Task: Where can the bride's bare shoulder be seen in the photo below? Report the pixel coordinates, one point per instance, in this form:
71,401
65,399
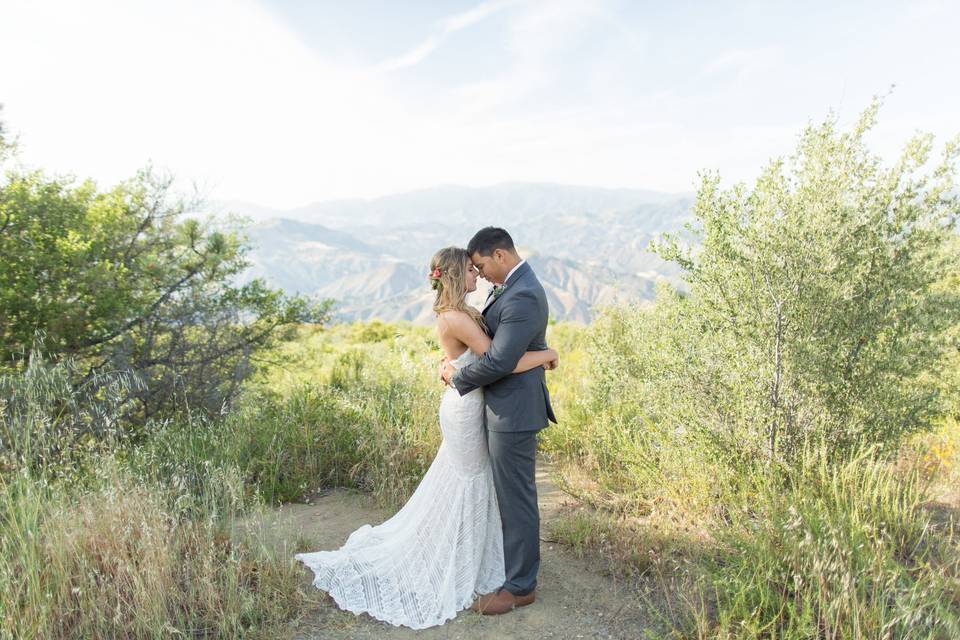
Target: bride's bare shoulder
452,317
454,323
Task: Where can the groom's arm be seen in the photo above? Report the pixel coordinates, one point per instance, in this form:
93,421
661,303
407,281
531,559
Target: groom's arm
519,324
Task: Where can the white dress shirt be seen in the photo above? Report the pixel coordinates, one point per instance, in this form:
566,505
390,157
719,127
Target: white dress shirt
512,270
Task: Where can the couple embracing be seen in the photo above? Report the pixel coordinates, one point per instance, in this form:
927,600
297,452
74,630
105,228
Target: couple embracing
469,535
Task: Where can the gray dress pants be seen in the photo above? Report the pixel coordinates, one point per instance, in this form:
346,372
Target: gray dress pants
513,458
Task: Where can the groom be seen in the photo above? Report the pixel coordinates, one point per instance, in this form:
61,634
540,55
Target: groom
517,407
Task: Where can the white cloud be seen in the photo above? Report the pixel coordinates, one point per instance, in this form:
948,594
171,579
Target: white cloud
414,56
745,62
216,90
223,93
449,25
475,15
539,32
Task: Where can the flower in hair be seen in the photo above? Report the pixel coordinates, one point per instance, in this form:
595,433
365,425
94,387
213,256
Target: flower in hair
435,279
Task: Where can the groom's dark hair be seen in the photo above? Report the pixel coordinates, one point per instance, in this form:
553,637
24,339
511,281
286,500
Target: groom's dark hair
487,239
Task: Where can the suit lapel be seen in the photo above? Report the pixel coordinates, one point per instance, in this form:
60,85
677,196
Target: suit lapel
511,281
519,273
489,302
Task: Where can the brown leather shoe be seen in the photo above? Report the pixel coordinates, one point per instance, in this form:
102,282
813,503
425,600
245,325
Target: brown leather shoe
523,601
496,603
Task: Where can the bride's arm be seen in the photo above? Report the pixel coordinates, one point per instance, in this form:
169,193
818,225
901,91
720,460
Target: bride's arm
548,359
463,328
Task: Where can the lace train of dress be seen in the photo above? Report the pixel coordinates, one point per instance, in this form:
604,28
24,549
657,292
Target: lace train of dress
441,549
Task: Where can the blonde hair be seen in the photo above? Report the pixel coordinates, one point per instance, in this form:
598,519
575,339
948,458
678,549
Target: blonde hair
451,284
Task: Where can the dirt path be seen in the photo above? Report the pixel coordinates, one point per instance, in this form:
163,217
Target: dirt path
574,599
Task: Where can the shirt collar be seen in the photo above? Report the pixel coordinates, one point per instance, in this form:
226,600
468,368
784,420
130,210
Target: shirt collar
507,279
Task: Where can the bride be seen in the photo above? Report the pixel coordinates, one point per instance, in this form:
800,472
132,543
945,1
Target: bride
445,545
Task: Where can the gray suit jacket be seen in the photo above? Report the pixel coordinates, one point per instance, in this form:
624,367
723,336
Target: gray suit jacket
517,323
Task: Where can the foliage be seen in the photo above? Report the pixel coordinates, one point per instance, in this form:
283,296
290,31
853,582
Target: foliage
118,560
766,410
743,432
49,424
814,308
124,280
91,545
836,551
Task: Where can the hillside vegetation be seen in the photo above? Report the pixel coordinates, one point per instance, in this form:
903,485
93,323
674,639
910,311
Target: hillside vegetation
774,449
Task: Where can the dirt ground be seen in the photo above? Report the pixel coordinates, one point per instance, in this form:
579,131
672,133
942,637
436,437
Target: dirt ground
576,598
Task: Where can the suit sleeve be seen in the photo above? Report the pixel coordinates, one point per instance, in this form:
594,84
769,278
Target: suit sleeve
519,324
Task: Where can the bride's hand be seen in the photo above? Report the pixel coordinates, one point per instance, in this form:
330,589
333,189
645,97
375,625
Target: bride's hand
443,363
554,361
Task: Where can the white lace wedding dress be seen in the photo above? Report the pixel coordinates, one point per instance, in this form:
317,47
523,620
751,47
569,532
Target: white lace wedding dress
444,546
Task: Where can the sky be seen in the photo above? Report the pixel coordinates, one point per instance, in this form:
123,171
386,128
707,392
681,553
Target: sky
284,103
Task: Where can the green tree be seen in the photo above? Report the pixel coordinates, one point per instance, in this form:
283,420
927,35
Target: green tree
815,294
123,280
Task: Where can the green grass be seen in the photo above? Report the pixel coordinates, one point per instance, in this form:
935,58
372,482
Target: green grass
727,546
142,536
836,551
819,546
98,540
126,558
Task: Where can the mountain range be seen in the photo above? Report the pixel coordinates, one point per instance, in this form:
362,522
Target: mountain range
587,245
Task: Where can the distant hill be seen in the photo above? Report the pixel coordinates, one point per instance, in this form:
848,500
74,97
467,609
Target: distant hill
587,245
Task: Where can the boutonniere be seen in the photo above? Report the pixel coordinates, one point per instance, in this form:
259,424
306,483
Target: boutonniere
498,289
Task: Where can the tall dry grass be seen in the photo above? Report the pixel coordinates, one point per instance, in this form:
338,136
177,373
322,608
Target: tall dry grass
91,546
